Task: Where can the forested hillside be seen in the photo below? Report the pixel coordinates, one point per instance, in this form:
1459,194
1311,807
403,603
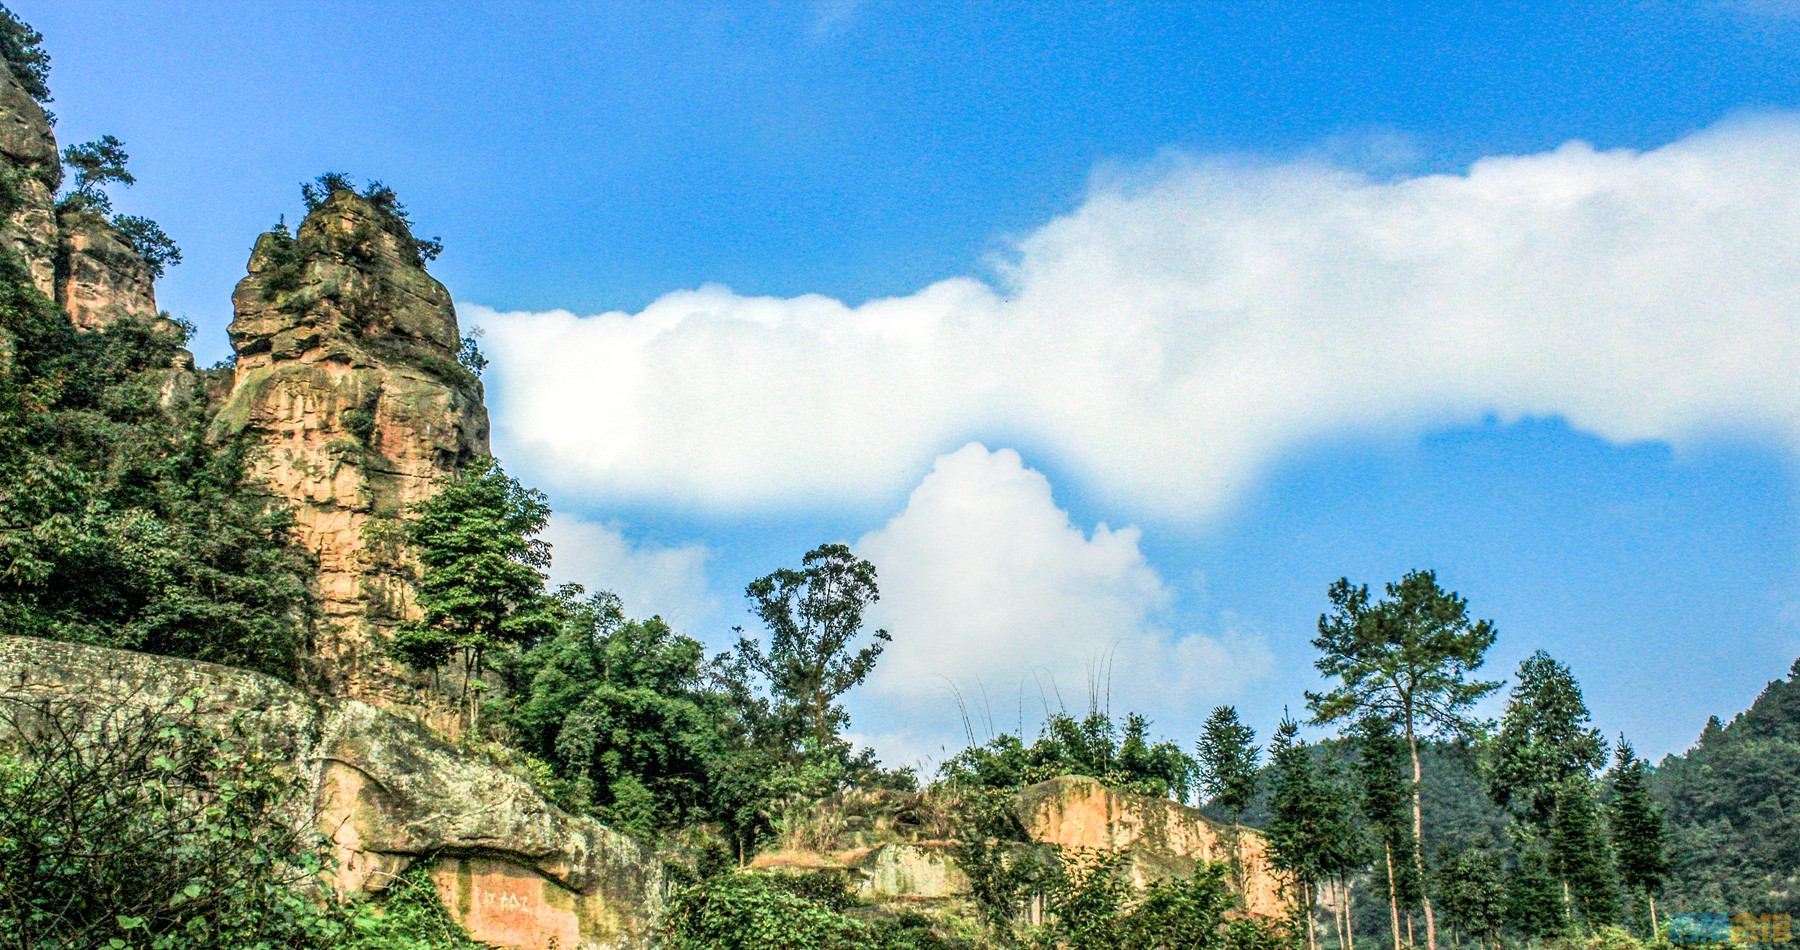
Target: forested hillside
1734,809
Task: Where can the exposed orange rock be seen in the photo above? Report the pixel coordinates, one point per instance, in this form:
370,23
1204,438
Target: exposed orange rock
100,279
1163,838
347,381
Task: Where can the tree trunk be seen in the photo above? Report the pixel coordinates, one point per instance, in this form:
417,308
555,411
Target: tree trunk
1387,848
1349,905
1655,928
1337,911
1312,942
1412,744
1409,933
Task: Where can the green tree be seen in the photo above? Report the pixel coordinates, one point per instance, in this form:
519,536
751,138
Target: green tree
814,615
1311,832
96,165
1471,887
1406,658
1580,855
1535,906
482,584
1545,738
22,48
1638,836
147,238
1384,805
1228,755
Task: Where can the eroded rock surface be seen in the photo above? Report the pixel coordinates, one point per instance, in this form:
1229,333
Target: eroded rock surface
1164,839
100,279
348,385
387,793
30,172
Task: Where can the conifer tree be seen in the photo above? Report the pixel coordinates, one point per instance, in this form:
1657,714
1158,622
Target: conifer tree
1407,658
1579,851
1545,738
1383,803
1638,836
1472,889
1228,773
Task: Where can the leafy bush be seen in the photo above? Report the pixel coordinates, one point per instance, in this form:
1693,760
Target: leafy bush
147,238
390,214
136,827
1092,746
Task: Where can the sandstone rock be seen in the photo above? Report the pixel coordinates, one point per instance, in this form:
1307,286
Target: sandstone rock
1163,838
387,792
348,383
100,279
30,171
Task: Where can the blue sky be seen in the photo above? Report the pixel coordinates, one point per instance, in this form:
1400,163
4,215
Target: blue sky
1396,319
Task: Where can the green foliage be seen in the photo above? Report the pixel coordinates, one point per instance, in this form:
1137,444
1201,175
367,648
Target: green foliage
750,912
1733,806
1227,757
134,827
96,164
1091,905
468,352
22,48
813,614
1384,800
1092,746
409,915
482,585
1471,890
1581,854
627,713
1534,898
390,214
1636,824
147,238
1545,739
1312,835
120,524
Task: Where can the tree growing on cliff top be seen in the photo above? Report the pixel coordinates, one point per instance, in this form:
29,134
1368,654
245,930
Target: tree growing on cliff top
1406,658
22,48
482,588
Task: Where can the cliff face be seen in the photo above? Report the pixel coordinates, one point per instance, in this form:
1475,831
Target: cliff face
386,793
348,385
29,174
100,278
75,258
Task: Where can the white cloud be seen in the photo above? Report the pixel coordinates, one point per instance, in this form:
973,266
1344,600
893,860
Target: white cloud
1191,322
650,579
987,585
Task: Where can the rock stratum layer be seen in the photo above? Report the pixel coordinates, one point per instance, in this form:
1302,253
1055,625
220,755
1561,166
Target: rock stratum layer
387,792
349,389
900,863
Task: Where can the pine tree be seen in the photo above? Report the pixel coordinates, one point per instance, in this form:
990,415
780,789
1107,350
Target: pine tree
1407,658
1638,836
1292,829
1579,851
1383,801
1228,772
1545,738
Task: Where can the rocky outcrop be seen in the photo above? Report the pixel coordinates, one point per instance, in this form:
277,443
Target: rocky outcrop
386,793
348,387
30,172
1163,839
100,279
900,850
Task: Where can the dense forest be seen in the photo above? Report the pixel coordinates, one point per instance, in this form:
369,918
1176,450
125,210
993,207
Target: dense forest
127,521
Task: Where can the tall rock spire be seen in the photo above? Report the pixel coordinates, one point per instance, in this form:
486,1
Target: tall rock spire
349,389
30,172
